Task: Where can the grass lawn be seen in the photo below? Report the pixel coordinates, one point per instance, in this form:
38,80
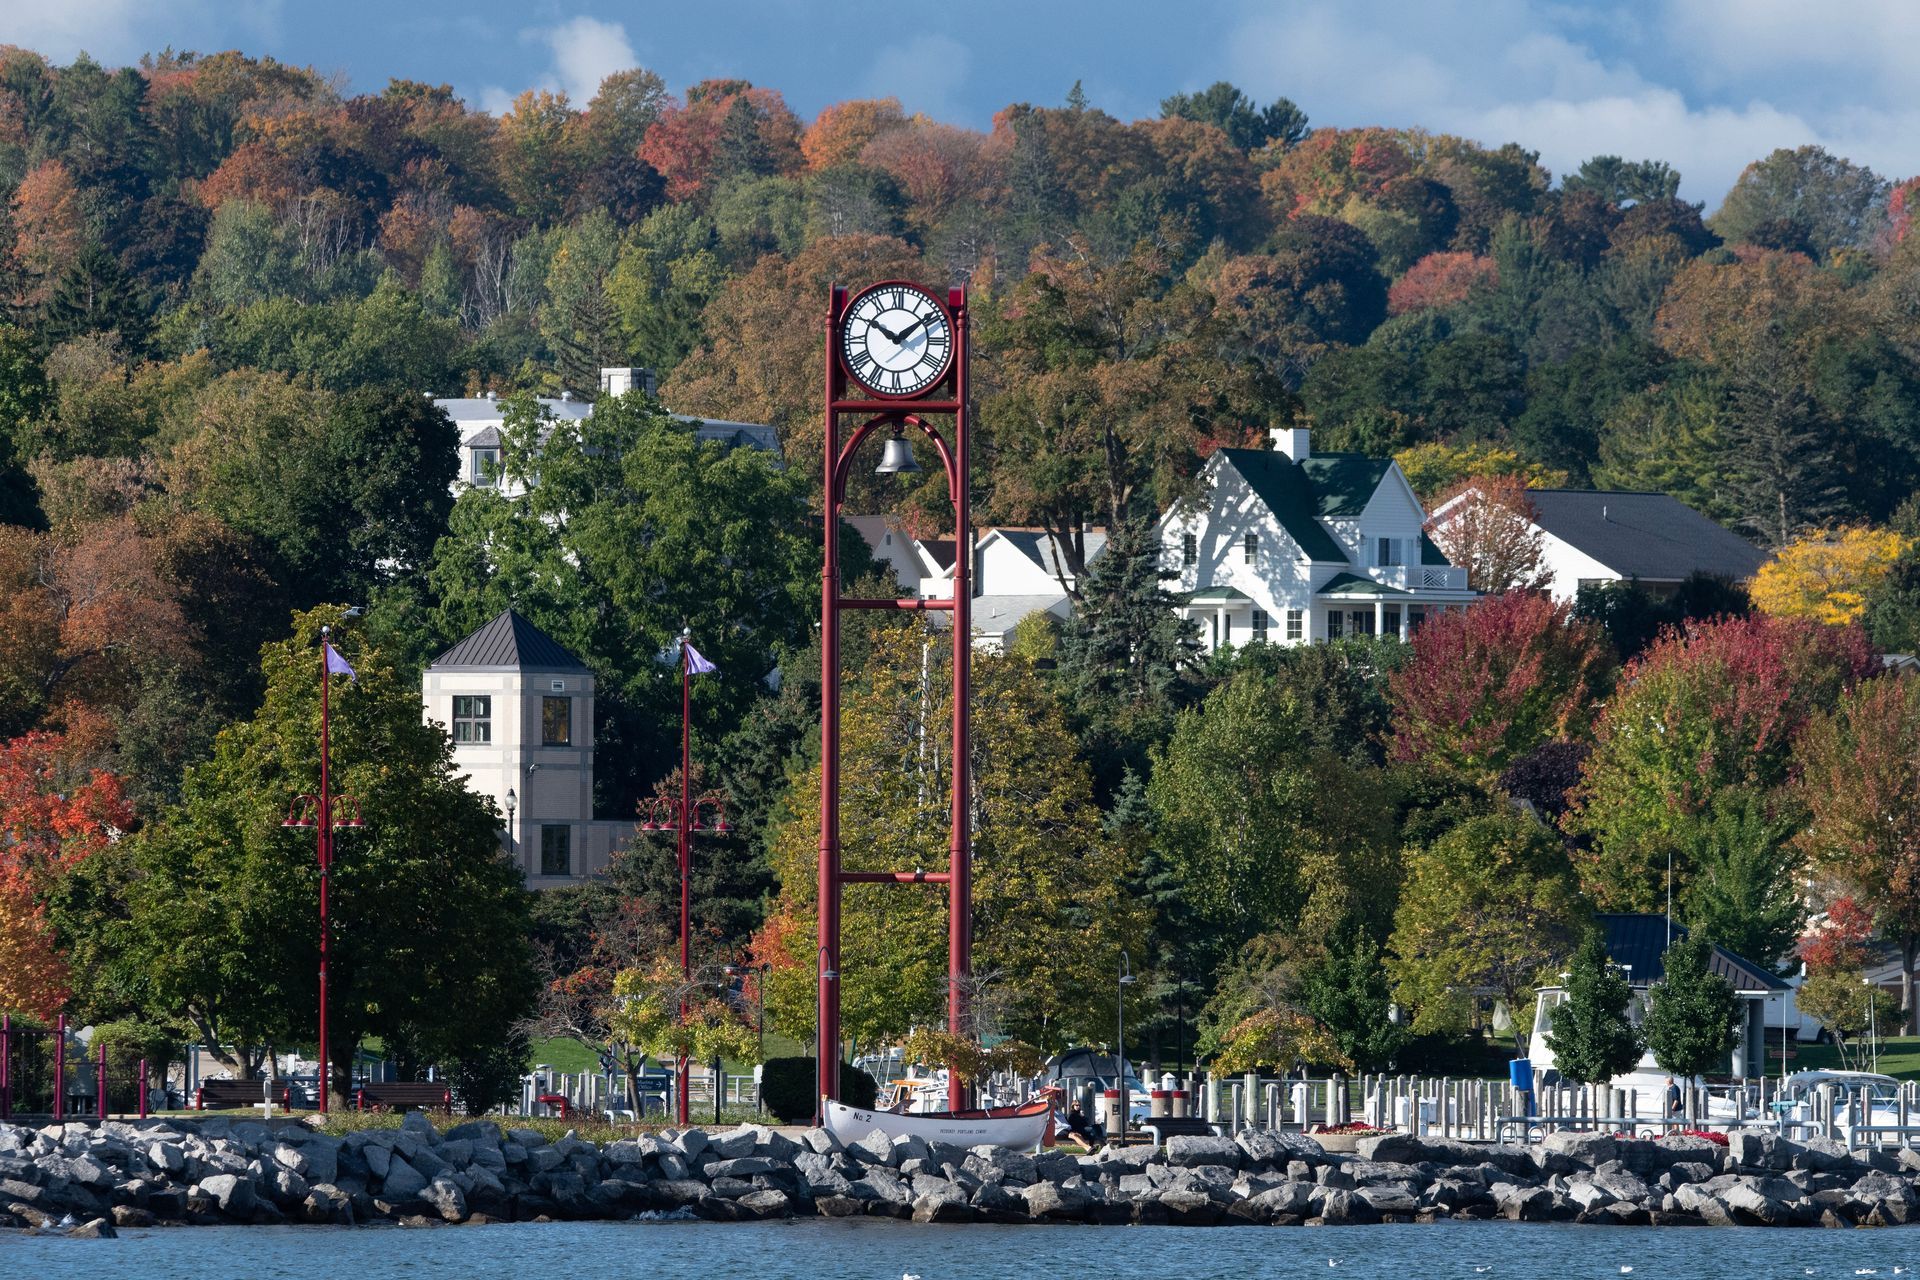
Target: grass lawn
1899,1057
569,1055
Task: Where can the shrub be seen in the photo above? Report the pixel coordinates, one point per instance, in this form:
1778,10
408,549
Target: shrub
787,1085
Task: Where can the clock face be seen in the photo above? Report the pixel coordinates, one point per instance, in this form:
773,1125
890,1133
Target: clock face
895,340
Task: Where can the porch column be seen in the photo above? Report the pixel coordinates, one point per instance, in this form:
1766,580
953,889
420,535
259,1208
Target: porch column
1379,616
1220,626
1406,620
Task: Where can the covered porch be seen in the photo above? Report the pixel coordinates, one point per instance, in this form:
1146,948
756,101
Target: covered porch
1350,605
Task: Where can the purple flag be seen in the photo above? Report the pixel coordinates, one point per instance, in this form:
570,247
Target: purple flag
697,665
337,665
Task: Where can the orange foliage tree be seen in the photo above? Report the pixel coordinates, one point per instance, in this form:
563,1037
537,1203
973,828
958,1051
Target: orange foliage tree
53,815
843,129
49,229
1440,280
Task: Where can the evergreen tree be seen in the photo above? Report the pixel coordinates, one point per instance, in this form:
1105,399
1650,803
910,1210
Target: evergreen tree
93,295
1125,640
1593,1040
1745,894
740,151
1692,1014
1249,127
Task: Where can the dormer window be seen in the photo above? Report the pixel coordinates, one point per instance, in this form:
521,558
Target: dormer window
486,467
1250,547
1389,551
1189,550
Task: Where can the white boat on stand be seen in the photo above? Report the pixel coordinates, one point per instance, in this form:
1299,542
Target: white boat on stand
1020,1128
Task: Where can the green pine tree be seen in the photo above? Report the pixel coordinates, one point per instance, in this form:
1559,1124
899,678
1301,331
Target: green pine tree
1693,1014
1593,1040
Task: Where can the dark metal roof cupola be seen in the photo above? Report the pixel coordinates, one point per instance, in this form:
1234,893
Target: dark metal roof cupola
508,643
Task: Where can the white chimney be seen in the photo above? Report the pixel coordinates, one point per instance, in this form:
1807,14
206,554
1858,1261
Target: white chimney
616,382
1292,441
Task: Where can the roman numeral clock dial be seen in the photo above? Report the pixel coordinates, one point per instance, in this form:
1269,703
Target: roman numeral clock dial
896,340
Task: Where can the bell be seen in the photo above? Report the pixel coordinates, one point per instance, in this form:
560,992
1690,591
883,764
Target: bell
897,459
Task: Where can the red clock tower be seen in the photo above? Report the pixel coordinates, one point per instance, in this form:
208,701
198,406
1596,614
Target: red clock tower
896,361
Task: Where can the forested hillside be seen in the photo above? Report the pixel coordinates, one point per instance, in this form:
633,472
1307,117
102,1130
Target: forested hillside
232,290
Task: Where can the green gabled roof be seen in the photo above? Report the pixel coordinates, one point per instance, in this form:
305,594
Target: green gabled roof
1349,584
1343,483
1286,490
1218,593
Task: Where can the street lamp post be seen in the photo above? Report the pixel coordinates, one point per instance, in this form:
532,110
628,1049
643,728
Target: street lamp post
1124,974
513,836
319,812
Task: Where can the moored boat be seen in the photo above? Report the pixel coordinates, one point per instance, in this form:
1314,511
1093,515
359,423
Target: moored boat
1019,1128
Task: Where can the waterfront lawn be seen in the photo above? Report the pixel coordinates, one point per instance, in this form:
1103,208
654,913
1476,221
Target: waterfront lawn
1899,1057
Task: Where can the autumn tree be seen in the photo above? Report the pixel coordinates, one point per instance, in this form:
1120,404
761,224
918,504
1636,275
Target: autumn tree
1836,990
1828,575
842,130
724,128
1486,526
1049,917
55,813
1439,467
1700,730
49,230
1489,907
1861,788
1440,280
1488,684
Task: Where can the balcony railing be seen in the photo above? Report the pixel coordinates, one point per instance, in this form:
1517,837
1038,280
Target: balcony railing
1420,577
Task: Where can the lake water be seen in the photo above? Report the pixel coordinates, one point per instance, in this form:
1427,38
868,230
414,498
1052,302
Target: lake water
881,1249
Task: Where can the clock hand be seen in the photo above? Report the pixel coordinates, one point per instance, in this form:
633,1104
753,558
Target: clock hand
892,337
909,329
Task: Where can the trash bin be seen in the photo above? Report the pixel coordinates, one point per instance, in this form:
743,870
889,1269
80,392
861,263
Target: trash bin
1520,1075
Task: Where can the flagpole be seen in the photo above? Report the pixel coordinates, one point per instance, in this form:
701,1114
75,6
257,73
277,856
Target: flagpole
686,767
325,843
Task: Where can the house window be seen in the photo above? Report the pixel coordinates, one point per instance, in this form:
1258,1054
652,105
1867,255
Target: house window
556,722
1189,550
1360,622
473,718
1260,621
1250,547
1334,620
1390,551
1294,623
556,850
486,466
1226,628
1390,624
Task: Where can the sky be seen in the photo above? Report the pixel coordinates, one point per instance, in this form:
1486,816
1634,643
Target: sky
1706,85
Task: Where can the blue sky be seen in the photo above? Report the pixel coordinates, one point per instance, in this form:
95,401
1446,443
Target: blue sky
1706,85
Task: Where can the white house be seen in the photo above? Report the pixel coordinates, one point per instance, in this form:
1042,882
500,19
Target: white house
1591,536
1290,547
479,421
519,709
1016,572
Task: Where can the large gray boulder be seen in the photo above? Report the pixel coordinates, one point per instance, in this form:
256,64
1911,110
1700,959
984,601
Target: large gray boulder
1274,1148
446,1198
403,1181
1052,1200
233,1193
1190,1150
1589,1149
740,1167
733,1145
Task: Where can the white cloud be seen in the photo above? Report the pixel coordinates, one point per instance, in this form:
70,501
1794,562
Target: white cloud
927,73
585,52
1706,85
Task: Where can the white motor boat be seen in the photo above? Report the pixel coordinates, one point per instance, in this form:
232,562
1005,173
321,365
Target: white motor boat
1019,1128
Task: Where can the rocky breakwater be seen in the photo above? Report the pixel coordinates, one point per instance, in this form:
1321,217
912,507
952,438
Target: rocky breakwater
90,1179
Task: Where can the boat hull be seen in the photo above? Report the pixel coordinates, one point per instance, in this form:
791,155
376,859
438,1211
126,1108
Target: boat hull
1018,1128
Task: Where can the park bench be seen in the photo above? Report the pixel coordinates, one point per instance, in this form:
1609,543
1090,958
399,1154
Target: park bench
1165,1127
221,1095
405,1095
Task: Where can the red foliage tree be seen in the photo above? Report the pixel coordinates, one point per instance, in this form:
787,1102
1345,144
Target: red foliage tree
682,142
54,815
1440,280
1842,945
1490,683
